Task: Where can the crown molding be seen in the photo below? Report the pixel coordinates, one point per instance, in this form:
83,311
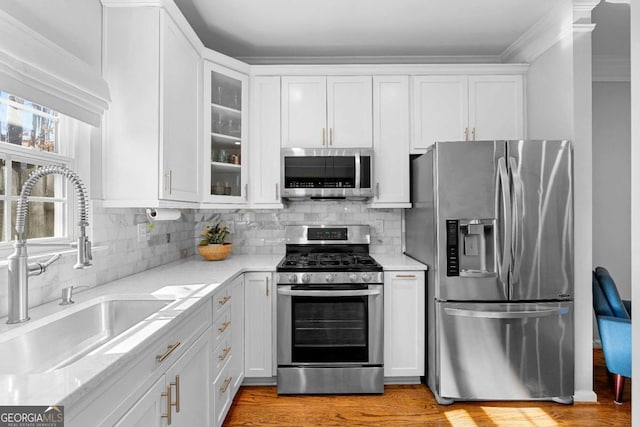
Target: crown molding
609,68
390,59
561,21
387,69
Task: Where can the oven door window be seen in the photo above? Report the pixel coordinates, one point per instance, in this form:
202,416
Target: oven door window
329,329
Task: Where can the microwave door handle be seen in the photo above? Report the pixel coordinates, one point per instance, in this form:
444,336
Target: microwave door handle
358,169
317,293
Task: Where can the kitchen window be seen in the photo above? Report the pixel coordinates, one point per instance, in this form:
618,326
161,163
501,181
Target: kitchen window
31,136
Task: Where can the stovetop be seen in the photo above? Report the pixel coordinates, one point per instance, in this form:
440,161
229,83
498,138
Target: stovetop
328,261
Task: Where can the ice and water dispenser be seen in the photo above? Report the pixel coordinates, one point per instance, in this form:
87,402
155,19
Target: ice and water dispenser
470,247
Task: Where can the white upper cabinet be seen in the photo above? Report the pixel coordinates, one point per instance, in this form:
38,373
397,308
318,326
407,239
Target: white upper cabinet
264,152
496,109
180,77
152,126
304,111
466,108
320,111
225,142
391,142
440,111
349,111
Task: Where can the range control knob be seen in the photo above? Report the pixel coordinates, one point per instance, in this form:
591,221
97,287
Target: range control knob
329,278
353,277
366,277
293,278
306,278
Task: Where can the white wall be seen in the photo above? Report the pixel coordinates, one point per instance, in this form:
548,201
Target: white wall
550,93
612,181
559,107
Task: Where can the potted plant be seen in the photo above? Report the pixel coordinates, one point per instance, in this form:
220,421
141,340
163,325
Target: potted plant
212,246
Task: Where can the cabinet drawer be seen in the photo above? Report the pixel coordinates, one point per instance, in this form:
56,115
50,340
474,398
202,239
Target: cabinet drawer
221,355
222,388
222,325
221,299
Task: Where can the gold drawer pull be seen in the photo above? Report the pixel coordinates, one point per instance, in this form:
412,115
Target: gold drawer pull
224,326
224,300
224,353
167,394
170,348
406,276
225,386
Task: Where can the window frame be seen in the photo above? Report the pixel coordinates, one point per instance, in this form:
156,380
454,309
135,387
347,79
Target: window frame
64,227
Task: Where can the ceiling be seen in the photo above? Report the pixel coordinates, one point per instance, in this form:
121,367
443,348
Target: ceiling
276,31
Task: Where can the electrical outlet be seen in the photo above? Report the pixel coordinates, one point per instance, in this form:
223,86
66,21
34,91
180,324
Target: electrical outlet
184,253
143,233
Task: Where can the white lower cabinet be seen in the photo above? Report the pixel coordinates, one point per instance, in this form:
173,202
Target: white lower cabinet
404,323
148,410
180,396
228,354
259,325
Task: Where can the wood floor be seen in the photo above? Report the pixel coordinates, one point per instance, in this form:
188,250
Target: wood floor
414,405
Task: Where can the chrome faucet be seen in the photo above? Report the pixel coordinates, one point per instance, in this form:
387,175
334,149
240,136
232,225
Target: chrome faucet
19,267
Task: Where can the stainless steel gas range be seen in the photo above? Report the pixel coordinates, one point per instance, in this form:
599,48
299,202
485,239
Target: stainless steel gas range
330,312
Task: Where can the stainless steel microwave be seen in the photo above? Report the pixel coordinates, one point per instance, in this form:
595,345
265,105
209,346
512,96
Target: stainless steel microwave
327,173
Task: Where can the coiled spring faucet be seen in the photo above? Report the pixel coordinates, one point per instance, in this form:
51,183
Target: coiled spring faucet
19,267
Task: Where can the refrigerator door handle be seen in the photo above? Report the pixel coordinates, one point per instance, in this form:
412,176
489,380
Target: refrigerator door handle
519,314
518,214
503,253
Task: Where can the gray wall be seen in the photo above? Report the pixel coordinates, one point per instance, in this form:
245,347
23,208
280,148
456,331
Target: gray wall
612,181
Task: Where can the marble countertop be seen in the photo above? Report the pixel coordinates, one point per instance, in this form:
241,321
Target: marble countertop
186,284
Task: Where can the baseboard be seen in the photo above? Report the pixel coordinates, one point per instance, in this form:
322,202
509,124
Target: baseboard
585,396
271,381
401,380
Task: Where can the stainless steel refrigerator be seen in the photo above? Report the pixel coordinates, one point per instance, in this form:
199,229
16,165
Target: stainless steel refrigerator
493,220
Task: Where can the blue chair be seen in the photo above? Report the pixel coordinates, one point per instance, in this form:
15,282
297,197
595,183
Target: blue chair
614,324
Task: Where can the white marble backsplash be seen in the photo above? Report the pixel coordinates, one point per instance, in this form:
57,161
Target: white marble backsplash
254,232
120,254
262,231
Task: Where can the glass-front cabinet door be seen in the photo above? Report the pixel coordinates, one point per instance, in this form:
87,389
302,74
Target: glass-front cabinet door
226,127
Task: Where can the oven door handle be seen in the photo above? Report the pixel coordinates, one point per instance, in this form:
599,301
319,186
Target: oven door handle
316,293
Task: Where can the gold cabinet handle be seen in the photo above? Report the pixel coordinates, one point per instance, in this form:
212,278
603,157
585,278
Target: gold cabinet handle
277,193
170,349
473,134
224,326
224,300
225,386
167,394
466,134
330,136
323,135
377,190
406,276
266,286
246,192
176,384
224,353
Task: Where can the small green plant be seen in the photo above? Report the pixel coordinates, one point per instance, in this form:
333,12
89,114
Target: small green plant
214,234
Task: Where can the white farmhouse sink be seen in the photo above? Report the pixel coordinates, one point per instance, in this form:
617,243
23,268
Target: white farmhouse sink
63,340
